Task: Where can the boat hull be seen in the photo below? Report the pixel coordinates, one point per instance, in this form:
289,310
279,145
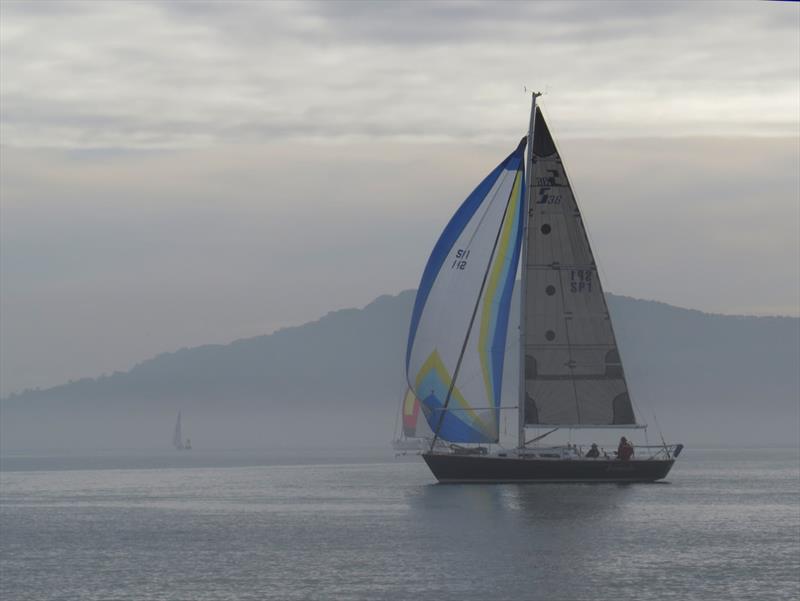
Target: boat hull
491,468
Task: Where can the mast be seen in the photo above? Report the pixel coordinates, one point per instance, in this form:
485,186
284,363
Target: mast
524,276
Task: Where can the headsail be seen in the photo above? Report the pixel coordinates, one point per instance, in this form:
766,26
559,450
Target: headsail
573,372
457,338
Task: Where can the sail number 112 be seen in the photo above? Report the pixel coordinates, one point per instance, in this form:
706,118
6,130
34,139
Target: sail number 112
460,262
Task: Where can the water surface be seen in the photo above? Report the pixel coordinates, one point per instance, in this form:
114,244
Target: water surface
358,526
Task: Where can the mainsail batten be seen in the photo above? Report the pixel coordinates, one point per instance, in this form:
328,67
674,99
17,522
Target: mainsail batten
572,370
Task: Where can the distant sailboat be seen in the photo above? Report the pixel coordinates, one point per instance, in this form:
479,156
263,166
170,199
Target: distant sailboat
414,435
571,374
177,437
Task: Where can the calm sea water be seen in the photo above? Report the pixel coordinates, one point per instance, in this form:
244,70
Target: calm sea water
227,526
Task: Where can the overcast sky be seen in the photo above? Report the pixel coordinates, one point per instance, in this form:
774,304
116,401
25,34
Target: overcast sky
185,173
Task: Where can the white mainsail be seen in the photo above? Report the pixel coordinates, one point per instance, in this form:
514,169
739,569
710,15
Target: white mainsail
572,370
177,435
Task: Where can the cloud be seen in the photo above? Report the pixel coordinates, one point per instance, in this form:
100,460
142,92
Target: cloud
183,75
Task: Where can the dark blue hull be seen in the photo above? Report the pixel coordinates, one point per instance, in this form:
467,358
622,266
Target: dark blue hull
488,468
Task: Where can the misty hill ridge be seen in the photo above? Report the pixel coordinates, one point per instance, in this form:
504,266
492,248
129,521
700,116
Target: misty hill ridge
710,378
294,364
357,355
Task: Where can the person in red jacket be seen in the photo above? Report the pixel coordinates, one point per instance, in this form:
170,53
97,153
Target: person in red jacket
625,449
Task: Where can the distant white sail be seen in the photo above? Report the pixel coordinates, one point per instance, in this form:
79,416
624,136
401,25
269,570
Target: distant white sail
457,338
573,372
177,436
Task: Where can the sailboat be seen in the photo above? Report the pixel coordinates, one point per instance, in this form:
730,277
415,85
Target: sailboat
177,437
571,374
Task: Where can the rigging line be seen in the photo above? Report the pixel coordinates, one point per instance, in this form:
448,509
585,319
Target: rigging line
660,433
472,319
540,435
634,404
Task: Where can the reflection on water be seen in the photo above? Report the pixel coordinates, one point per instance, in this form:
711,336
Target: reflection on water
529,502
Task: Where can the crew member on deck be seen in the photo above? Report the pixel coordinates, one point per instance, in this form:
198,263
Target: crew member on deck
625,449
594,452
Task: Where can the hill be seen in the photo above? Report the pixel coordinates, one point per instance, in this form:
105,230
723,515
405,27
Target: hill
712,379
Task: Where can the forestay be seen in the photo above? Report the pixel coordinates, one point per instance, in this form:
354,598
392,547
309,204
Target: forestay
457,338
573,372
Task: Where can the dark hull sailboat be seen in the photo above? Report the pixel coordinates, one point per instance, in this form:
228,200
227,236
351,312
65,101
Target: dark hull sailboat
453,468
571,377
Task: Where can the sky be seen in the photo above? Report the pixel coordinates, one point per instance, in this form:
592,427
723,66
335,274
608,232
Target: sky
175,174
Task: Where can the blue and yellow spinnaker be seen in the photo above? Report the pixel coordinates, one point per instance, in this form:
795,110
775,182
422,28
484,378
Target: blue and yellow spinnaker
461,310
